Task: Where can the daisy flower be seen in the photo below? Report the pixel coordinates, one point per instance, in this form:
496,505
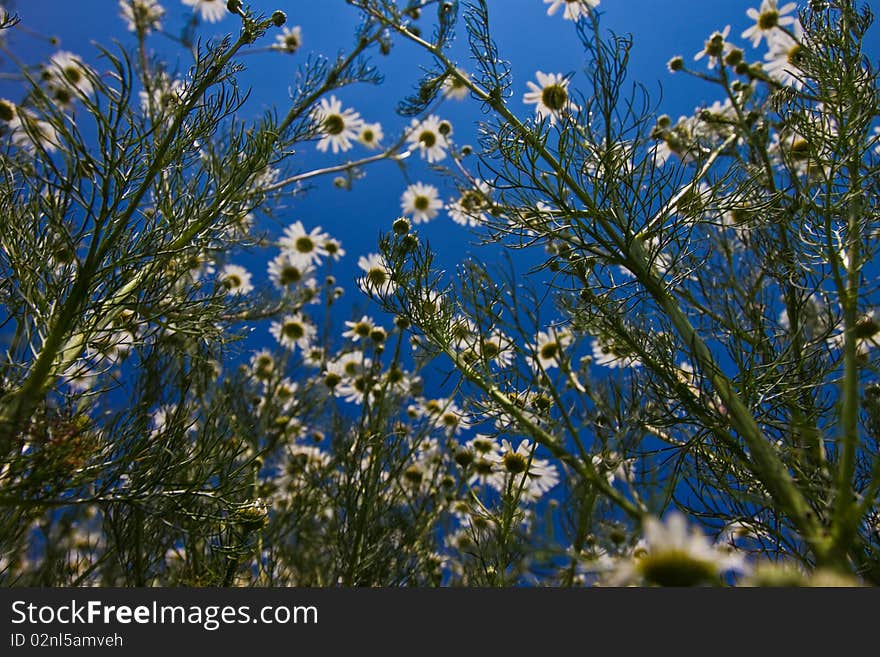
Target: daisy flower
574,9
428,138
337,126
421,201
608,356
672,554
304,248
535,476
362,328
498,348
548,347
164,94
209,10
236,279
455,88
469,208
286,270
334,248
716,47
67,75
293,331
289,40
27,131
370,135
263,364
767,19
782,59
142,15
550,96
377,278
445,414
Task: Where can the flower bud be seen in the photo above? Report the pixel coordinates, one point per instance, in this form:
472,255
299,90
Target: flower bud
279,18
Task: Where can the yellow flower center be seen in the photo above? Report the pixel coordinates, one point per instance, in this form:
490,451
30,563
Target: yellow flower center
768,20
334,124
554,97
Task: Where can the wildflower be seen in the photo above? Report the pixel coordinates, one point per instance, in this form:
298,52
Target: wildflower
767,19
289,40
377,277
263,364
67,75
293,331
209,10
302,247
142,15
338,126
355,388
469,208
362,328
334,248
716,47
784,57
370,135
498,348
421,201
445,414
610,356
867,333
287,270
674,555
548,348
160,420
163,95
82,374
27,131
236,279
574,9
531,475
550,96
454,87
427,137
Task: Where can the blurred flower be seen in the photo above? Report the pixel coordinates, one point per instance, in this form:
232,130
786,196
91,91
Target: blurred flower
142,15
469,208
236,279
289,40
767,19
67,76
574,9
370,135
209,10
286,270
454,88
784,56
674,555
377,277
293,331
